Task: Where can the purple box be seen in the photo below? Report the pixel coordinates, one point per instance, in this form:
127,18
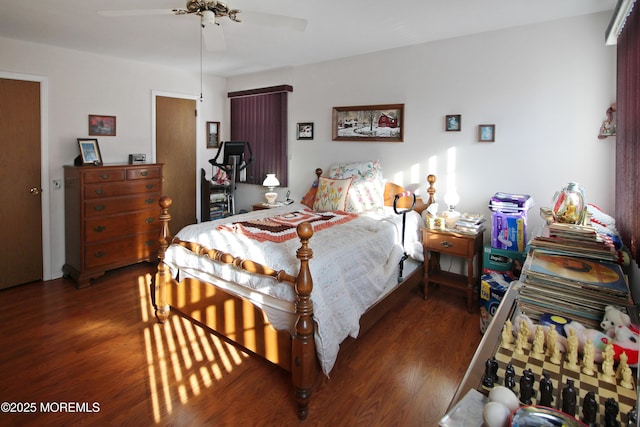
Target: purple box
509,230
507,202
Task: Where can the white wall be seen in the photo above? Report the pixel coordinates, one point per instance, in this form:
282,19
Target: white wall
545,87
80,84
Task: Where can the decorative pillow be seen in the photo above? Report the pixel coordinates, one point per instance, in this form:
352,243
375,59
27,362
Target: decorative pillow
331,195
367,187
310,197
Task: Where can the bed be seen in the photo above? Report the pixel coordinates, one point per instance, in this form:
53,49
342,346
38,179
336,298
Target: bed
282,282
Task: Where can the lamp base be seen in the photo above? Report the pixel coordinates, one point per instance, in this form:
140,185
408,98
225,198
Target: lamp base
271,198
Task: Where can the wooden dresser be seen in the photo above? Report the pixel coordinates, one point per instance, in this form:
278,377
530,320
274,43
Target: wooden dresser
111,218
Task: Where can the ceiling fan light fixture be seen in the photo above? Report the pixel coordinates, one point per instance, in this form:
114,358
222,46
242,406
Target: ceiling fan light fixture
208,17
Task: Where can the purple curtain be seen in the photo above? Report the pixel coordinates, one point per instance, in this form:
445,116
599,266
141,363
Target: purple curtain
261,119
628,134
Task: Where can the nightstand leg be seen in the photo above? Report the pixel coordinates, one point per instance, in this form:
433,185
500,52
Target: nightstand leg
470,284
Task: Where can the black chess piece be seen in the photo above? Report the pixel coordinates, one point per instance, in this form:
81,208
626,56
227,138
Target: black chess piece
611,410
510,376
488,380
526,387
569,398
632,417
493,367
546,390
589,409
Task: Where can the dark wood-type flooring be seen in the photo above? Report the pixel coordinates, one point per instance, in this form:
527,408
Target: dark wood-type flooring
101,345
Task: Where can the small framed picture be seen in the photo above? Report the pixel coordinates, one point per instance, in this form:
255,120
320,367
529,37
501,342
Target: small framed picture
90,151
213,134
102,125
305,131
486,133
453,122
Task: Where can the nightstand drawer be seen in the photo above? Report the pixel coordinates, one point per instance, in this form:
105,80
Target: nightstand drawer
447,244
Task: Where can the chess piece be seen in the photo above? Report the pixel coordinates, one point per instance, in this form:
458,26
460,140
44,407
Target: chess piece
587,357
624,362
626,381
611,410
632,417
488,380
526,387
519,344
507,334
572,350
555,357
552,340
569,398
510,376
546,390
589,409
538,342
524,333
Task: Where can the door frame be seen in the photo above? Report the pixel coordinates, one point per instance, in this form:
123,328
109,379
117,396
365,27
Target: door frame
45,200
199,134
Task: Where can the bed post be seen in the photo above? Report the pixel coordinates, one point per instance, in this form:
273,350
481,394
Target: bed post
163,275
431,179
304,361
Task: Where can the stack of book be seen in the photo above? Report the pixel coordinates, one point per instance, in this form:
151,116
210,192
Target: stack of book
469,223
577,240
575,287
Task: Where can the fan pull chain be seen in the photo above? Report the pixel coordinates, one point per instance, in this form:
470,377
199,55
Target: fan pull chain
201,37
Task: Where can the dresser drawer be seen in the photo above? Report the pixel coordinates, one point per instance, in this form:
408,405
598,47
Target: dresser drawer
447,244
102,175
120,252
110,206
109,227
94,191
152,172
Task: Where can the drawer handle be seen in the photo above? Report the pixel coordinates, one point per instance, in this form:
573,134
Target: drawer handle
99,208
149,186
104,176
447,244
99,191
144,173
99,228
150,201
99,254
149,220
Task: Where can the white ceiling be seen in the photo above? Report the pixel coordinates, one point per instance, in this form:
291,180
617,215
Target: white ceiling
335,28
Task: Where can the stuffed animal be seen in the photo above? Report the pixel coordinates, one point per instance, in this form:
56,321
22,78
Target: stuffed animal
626,340
598,338
612,318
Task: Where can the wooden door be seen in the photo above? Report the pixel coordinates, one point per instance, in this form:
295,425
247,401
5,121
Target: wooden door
176,148
21,209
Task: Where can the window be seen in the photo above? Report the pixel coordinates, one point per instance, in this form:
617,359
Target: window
259,116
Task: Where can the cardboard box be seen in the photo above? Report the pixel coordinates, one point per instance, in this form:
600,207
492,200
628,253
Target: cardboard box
496,260
492,289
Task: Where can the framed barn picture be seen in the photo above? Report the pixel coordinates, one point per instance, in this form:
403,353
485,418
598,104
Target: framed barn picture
368,123
102,125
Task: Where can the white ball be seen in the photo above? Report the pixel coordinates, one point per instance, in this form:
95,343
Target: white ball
496,414
505,396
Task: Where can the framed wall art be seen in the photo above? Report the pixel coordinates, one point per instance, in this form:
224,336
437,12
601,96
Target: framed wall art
102,125
368,123
89,151
453,122
305,131
213,134
486,133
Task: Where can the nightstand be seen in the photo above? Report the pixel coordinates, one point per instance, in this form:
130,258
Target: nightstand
451,243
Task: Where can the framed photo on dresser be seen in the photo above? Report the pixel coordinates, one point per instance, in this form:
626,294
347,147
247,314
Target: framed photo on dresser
89,151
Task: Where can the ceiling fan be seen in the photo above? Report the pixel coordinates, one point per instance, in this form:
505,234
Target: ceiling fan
210,13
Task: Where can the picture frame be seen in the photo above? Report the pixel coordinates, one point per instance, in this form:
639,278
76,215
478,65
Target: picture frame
453,122
213,134
486,133
89,151
305,131
382,123
100,125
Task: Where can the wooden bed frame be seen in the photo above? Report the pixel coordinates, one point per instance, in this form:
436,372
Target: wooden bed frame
240,322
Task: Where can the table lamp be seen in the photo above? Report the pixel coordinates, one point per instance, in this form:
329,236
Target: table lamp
451,216
271,182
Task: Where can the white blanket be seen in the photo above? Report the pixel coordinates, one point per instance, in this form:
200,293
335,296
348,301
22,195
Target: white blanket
353,265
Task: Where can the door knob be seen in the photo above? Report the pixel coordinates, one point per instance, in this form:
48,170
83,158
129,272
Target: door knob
35,191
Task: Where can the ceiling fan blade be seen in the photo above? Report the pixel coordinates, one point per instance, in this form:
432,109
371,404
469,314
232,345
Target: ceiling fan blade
135,12
213,37
270,20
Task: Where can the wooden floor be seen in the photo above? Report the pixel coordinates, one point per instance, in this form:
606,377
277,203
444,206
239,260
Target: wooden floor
100,349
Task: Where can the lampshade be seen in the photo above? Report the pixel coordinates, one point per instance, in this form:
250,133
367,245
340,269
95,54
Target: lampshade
451,198
271,181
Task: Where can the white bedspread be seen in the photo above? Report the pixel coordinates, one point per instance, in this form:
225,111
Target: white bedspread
353,265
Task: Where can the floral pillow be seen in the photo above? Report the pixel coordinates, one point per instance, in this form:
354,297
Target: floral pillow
367,187
331,195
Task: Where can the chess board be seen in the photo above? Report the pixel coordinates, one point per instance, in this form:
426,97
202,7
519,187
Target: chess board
583,383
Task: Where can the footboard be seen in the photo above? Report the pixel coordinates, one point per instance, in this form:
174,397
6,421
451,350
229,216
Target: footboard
304,364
